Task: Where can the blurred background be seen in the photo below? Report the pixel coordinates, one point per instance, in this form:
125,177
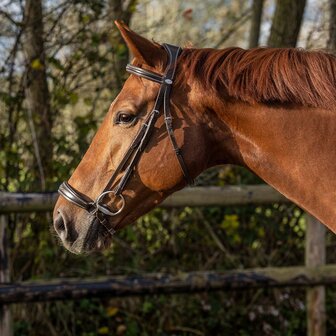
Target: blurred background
62,62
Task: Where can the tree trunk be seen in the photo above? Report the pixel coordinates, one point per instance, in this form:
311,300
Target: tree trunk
286,23
121,54
332,26
36,90
257,9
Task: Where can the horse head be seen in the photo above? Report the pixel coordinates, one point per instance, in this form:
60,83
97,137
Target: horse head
93,205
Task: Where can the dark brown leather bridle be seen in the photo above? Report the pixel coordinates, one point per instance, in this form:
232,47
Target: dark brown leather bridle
134,152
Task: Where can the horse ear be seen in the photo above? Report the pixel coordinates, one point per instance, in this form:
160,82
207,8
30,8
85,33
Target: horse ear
142,49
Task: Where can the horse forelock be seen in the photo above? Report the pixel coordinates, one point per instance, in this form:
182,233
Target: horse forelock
266,75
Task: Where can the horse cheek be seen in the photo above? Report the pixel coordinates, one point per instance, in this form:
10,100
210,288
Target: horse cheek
159,174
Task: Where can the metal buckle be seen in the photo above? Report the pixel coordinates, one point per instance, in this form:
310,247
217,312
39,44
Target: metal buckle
106,211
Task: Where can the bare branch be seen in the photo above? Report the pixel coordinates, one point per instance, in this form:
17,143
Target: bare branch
239,21
9,18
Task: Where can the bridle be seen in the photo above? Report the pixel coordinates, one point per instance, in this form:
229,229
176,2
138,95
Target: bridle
134,152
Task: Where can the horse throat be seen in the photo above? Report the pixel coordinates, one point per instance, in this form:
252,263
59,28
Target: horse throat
292,149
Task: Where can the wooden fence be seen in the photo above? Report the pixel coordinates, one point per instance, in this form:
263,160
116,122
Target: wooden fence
314,275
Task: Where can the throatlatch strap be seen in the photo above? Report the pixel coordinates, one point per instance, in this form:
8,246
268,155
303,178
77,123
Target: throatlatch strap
169,119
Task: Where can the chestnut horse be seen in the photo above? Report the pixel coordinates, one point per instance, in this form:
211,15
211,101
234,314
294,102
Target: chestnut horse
272,111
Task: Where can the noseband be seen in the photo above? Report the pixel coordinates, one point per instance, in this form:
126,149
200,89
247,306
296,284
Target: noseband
134,152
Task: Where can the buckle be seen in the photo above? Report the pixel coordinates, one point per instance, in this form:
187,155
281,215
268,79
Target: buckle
104,209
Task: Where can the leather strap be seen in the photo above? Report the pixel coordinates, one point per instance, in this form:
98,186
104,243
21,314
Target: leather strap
150,75
74,196
169,119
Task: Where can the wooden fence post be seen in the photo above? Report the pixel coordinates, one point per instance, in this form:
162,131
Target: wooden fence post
315,256
5,316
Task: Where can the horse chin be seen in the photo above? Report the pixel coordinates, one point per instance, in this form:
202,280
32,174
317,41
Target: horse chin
95,238
98,244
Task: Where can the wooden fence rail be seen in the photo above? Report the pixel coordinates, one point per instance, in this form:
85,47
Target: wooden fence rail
196,196
315,275
160,283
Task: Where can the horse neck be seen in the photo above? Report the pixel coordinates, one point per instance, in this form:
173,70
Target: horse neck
292,149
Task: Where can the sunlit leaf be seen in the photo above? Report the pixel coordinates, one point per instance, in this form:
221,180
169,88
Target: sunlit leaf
112,311
103,331
36,64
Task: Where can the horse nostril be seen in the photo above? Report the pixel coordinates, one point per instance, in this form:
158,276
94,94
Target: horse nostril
59,224
66,230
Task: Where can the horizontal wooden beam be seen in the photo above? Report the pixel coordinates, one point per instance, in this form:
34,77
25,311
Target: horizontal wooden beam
119,286
196,196
26,202
228,195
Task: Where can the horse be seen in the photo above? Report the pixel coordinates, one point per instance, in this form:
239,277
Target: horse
181,111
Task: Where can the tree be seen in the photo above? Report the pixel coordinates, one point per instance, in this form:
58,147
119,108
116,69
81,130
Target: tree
257,9
36,89
119,11
286,23
332,25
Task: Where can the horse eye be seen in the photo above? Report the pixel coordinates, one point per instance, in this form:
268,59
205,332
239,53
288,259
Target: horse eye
125,118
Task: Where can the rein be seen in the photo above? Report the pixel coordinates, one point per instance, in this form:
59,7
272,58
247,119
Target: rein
97,208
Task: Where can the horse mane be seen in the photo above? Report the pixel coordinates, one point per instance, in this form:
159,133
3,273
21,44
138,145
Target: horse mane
266,75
